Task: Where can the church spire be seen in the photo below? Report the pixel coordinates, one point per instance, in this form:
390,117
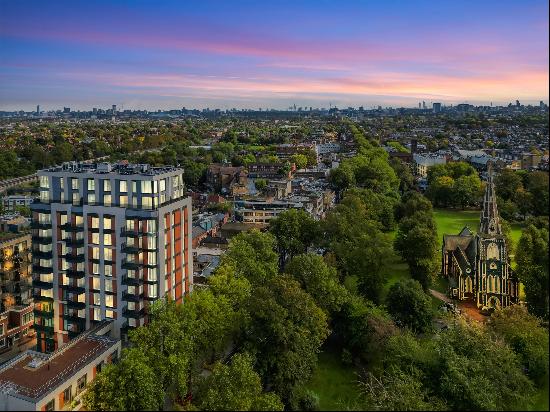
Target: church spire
490,221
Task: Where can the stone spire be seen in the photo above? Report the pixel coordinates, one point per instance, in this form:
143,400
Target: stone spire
490,222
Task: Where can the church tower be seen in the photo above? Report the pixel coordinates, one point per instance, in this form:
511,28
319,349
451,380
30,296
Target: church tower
497,286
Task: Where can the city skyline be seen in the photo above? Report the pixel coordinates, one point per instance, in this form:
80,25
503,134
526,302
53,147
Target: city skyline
142,55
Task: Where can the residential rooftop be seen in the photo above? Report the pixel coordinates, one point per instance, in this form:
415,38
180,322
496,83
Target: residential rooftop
120,168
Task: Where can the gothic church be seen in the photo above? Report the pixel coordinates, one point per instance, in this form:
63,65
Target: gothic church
478,266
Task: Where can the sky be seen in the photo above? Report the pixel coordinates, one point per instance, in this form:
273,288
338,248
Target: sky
271,54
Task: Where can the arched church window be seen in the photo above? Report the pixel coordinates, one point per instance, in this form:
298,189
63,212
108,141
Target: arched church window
469,284
493,252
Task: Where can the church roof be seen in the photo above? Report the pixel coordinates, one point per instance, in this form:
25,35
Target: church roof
451,242
466,231
489,223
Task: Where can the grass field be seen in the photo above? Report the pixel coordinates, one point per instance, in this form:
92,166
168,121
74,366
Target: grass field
334,383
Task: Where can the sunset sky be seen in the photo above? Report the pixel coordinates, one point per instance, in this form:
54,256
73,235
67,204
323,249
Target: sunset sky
251,54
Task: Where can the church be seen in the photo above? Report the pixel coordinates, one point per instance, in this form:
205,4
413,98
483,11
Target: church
478,266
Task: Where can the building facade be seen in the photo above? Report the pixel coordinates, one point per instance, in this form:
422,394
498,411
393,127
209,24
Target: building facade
15,270
108,239
478,266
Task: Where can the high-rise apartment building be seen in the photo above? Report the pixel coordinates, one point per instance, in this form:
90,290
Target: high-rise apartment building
108,239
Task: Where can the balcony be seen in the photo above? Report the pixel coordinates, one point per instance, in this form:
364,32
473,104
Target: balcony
130,297
69,227
42,255
130,233
40,298
41,225
73,304
130,249
75,274
127,280
73,288
75,258
37,283
43,328
43,240
133,313
46,270
43,313
73,317
74,242
131,265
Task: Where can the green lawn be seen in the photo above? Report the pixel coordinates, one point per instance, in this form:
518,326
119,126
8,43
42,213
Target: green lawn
334,383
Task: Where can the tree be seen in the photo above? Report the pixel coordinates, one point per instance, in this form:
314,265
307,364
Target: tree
130,385
441,190
260,184
412,202
285,333
319,280
235,387
299,160
409,305
532,269
467,190
537,185
253,256
417,243
404,174
507,183
526,336
295,230
363,328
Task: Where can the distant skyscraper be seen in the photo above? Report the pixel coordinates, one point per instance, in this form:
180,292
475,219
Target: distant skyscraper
419,105
541,104
66,110
114,108
437,107
38,109
424,105
517,103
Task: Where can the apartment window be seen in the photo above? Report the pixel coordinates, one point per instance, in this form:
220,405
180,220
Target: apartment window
76,198
95,268
123,201
74,183
146,186
153,291
97,299
44,182
97,314
131,322
81,384
152,274
50,406
108,285
122,186
108,270
163,185
96,283
67,395
147,202
107,200
95,252
91,184
110,314
91,199
107,223
108,254
95,238
107,239
95,222
107,185
134,186
130,224
79,220
109,301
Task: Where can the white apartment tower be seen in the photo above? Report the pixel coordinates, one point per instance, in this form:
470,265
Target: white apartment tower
108,239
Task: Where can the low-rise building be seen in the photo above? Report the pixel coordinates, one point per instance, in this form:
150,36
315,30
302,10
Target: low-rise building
421,163
35,381
11,202
16,326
